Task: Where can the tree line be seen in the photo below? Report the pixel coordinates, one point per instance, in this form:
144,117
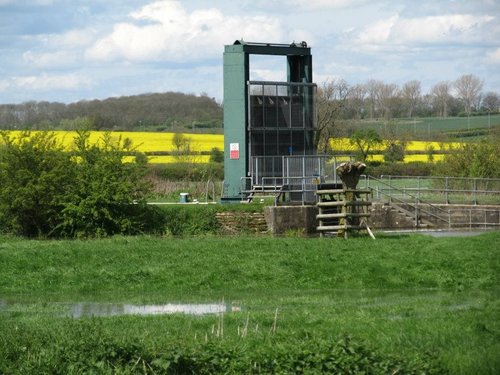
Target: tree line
377,99
159,111
336,100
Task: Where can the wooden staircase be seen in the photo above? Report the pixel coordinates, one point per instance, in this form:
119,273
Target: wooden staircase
342,211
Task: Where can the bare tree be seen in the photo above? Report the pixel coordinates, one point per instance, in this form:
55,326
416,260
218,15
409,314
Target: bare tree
440,94
411,96
387,96
331,102
468,88
356,99
491,101
372,88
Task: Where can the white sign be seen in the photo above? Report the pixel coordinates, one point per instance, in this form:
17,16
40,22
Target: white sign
234,151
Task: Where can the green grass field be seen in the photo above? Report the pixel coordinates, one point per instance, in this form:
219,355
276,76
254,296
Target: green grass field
428,127
399,304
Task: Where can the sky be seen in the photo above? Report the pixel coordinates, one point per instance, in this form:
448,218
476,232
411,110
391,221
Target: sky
71,50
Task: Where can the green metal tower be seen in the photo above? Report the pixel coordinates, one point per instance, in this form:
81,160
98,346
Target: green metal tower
264,121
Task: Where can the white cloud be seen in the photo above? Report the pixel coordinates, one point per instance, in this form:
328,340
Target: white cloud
27,2
494,56
165,30
55,59
397,31
47,82
64,50
4,85
377,33
268,75
72,38
325,4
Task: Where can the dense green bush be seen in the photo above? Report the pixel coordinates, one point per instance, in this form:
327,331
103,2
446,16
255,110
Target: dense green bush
47,191
479,159
394,152
35,174
216,155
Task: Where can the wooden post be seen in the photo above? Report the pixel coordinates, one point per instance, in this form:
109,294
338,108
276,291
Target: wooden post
348,205
349,174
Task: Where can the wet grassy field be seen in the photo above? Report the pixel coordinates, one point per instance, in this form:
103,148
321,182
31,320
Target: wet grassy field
412,303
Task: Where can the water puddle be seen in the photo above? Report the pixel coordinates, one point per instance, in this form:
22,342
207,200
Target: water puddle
79,310
90,309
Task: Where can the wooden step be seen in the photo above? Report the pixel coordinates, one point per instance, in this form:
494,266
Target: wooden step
339,227
341,191
342,203
341,215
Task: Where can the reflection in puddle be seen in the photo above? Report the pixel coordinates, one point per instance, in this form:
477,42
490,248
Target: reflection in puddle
89,309
79,310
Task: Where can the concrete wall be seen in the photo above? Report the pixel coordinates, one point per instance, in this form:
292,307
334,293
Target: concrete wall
386,217
281,219
474,216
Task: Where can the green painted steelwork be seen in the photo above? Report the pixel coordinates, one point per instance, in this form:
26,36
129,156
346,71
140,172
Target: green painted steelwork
236,103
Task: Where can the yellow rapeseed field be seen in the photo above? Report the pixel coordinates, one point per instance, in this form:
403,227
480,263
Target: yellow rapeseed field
409,158
436,146
344,145
162,142
150,142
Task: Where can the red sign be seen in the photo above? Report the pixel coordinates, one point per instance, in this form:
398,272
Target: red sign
234,151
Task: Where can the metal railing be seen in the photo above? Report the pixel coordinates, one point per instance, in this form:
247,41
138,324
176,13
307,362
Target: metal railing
298,189
474,218
411,205
447,190
296,176
303,166
409,201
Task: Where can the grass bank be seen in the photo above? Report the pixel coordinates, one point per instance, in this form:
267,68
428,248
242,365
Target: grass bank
414,304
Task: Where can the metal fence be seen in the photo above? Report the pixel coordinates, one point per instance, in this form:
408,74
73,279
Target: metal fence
394,189
447,190
273,169
295,177
474,218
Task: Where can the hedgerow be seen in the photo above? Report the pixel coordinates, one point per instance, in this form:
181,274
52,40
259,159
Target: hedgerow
48,191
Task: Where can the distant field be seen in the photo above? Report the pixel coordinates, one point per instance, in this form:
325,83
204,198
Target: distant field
160,148
426,126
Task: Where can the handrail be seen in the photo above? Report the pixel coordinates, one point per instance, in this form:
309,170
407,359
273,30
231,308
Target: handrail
271,186
417,200
472,186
